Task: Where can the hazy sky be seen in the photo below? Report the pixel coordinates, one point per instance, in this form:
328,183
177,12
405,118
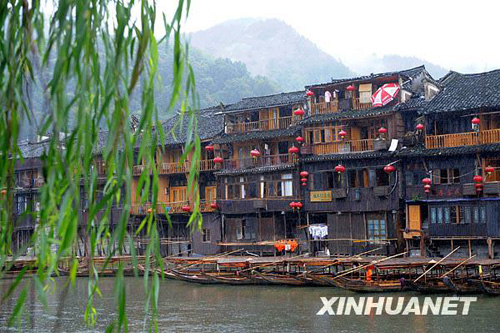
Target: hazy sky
459,35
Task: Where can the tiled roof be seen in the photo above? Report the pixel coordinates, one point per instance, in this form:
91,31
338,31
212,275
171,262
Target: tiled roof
210,124
409,73
420,151
34,150
416,103
467,92
256,170
258,135
349,156
260,102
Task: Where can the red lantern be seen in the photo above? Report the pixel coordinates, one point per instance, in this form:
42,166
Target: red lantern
477,179
304,184
292,205
427,188
489,170
218,160
309,93
186,209
255,153
214,205
293,150
298,205
389,168
420,127
299,139
350,88
427,181
304,180
476,121
342,134
340,168
382,130
299,112
209,148
304,174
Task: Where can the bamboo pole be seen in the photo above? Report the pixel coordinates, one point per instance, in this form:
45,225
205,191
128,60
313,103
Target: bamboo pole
427,271
352,270
337,260
271,263
463,262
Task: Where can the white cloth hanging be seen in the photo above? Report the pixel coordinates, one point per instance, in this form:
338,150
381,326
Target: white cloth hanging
318,231
328,96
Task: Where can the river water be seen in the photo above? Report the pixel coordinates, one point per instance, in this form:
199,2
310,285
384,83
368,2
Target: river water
187,307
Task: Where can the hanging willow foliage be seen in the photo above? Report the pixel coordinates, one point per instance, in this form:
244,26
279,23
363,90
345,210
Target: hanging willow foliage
89,58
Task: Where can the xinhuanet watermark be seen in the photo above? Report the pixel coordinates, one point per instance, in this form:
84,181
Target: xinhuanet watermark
444,306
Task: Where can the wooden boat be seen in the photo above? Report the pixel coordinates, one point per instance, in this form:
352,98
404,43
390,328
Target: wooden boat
233,279
487,287
363,286
428,286
461,286
279,279
321,280
192,277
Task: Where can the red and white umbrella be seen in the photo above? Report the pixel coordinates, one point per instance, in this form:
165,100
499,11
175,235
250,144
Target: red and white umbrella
385,94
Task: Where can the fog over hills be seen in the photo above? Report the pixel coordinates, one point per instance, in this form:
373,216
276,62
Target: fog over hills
272,48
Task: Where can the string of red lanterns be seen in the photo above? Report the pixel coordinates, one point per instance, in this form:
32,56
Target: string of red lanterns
427,184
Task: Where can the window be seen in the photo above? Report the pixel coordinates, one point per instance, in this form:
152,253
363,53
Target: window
482,214
376,229
382,177
206,236
433,215
440,215
323,134
475,214
365,93
446,211
446,176
467,211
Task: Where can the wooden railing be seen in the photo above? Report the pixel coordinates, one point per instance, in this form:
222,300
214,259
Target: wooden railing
171,207
207,165
266,160
342,147
30,183
322,108
260,125
175,167
137,170
462,139
357,105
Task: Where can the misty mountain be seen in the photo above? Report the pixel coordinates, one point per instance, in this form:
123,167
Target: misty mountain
271,48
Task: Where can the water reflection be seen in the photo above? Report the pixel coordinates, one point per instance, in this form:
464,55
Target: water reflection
189,307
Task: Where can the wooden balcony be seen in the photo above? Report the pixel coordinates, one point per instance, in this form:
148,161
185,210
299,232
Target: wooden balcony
462,139
357,105
341,147
137,170
261,161
175,167
27,183
260,125
322,108
251,205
